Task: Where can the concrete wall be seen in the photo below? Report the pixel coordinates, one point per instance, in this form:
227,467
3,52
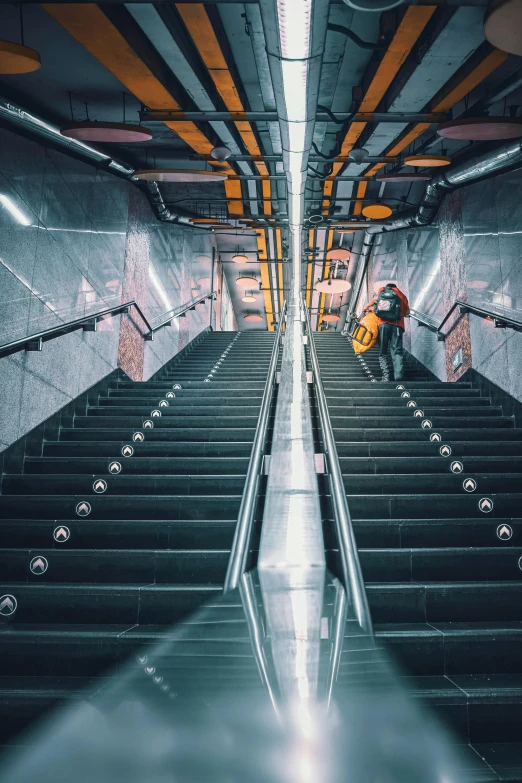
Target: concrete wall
473,252
90,241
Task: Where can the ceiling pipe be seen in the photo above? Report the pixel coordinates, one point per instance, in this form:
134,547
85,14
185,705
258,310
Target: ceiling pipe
496,161
27,122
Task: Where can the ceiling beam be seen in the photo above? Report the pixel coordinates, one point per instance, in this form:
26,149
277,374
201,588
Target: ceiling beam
479,66
198,23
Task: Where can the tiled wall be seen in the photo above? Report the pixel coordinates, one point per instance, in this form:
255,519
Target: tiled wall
91,241
473,251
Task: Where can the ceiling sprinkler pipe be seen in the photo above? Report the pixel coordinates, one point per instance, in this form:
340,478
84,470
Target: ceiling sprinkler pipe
30,123
505,157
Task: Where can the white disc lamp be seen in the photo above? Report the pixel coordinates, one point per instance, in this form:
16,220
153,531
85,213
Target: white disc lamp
333,286
246,282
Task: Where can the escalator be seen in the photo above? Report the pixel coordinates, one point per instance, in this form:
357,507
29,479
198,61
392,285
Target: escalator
433,475
122,526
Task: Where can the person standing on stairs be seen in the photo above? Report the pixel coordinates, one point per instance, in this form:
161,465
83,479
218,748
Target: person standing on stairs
391,307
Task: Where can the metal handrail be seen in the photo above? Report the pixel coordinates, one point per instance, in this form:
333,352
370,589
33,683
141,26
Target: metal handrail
501,321
243,532
172,315
34,342
352,573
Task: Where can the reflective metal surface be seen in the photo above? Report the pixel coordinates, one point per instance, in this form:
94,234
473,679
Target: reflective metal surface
243,532
194,707
352,573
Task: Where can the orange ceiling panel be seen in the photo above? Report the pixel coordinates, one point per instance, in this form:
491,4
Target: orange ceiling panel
96,33
456,89
265,277
197,22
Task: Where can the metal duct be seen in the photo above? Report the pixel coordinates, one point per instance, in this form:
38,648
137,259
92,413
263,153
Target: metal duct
28,122
487,165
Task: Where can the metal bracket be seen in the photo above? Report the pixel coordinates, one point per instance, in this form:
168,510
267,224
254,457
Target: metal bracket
149,336
278,377
91,326
265,467
320,464
34,345
309,376
305,339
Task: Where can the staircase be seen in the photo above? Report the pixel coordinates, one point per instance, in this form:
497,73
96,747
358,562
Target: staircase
433,473
123,525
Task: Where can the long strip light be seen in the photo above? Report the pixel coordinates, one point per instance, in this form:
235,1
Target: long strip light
14,211
294,22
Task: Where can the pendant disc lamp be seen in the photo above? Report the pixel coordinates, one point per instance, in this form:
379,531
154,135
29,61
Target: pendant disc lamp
503,26
331,317
106,132
333,285
248,298
338,254
413,177
377,211
179,175
16,58
246,282
240,258
253,317
482,128
427,160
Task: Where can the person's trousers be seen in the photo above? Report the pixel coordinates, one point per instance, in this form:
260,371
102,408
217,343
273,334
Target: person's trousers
390,337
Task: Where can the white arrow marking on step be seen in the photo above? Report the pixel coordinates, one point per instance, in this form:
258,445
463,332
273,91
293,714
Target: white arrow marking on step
83,509
165,687
412,404
404,394
418,414
435,436
138,436
426,424
148,424
115,467
8,604
400,386
485,505
170,395
158,679
99,486
61,534
469,485
164,404
505,532
177,386
39,565
155,413
127,451
142,659
207,380
445,451
456,467
520,563
150,669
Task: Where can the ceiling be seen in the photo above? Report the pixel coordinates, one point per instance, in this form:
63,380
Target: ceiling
117,61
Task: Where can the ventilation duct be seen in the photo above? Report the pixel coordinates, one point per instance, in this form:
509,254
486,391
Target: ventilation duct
504,158
27,122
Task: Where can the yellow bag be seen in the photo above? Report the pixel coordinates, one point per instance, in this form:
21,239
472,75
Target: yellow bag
365,333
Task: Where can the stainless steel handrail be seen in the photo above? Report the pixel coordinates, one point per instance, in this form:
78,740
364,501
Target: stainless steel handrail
352,573
243,532
34,342
176,314
501,321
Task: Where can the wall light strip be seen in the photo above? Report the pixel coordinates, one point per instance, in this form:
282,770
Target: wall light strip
14,211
